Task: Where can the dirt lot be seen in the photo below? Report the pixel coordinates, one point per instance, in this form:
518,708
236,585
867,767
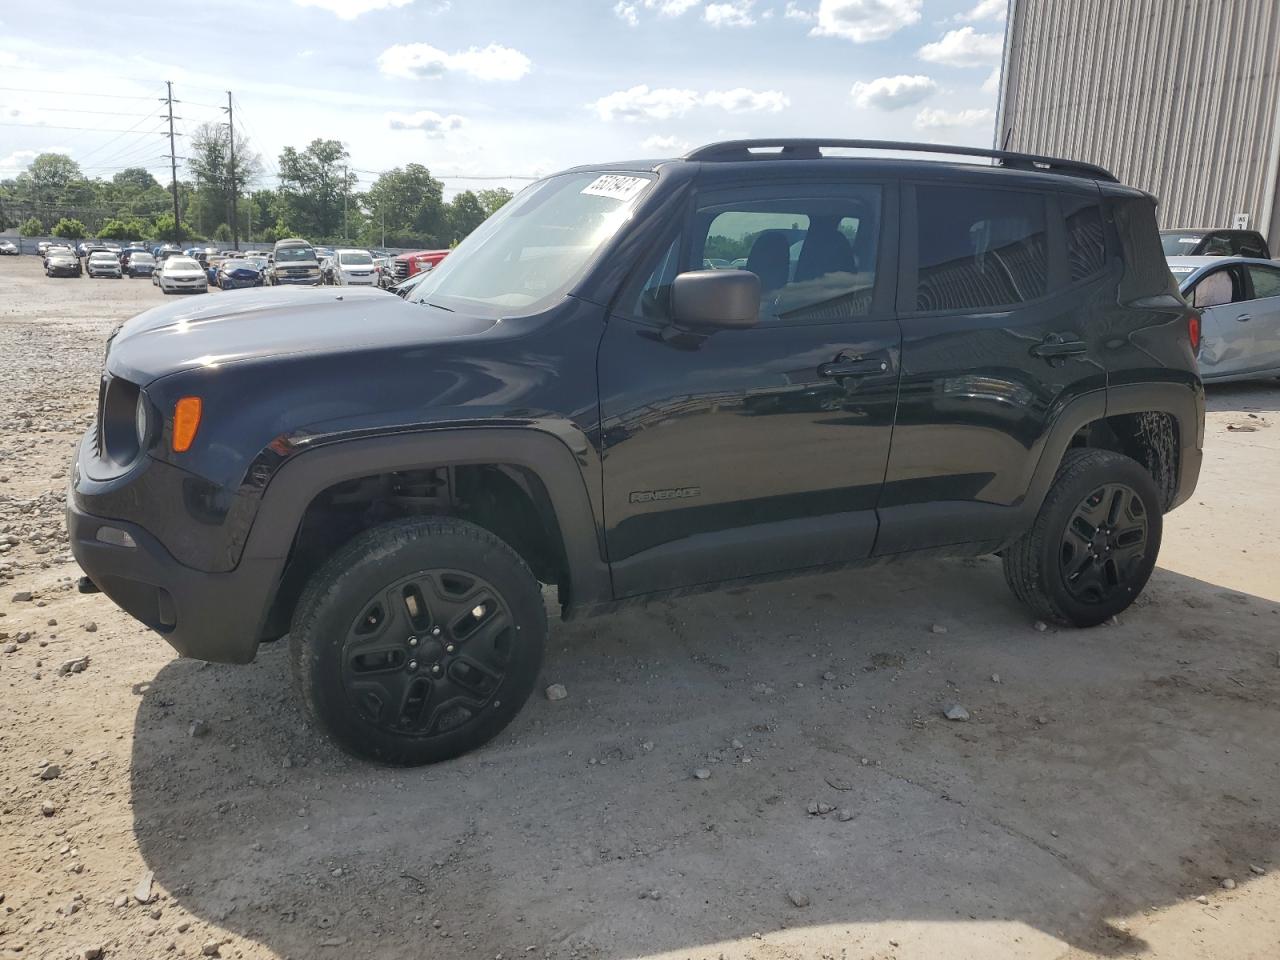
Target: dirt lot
1108,790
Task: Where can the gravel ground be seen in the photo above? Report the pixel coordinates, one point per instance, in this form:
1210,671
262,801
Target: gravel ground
761,773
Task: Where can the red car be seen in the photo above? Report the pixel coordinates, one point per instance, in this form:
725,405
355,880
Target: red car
407,264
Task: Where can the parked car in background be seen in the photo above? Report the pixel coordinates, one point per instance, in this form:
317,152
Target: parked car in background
293,261
1208,242
182,275
62,262
164,251
43,246
8,248
103,263
354,268
236,272
407,264
1239,303
138,263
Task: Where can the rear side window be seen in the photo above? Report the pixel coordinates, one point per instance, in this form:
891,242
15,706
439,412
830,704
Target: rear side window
1266,281
1250,245
1146,274
1086,241
979,248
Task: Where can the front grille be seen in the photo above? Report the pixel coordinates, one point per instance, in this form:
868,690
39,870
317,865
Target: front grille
401,269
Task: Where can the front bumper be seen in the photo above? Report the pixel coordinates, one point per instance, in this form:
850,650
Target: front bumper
298,281
216,613
236,283
207,616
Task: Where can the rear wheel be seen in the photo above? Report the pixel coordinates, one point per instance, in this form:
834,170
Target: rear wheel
1094,542
418,641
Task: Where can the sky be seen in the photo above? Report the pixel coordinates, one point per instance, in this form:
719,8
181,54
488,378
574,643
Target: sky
491,88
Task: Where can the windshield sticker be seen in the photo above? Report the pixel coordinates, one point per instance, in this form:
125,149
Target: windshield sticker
615,187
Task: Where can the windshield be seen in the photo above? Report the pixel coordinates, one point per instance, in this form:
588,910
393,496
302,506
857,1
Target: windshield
142,258
104,256
354,258
1179,243
181,263
524,257
294,253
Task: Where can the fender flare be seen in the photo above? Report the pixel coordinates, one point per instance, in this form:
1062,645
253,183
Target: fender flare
299,480
1184,401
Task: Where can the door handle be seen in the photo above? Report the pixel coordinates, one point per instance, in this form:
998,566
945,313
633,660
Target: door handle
1053,347
853,367
1244,318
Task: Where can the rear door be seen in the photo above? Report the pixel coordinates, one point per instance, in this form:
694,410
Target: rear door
1000,277
748,452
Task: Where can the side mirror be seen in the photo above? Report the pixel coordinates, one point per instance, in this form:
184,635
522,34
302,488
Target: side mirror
716,299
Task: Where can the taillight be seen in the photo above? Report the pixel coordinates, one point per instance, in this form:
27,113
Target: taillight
1193,331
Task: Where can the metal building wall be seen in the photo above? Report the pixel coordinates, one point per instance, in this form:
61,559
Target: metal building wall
1177,97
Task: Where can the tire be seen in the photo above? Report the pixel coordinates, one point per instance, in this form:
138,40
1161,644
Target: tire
1067,577
373,685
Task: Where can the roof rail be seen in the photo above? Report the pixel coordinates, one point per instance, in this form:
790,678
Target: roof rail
811,149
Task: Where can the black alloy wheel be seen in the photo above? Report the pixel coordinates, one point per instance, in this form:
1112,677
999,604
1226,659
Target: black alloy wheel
1104,543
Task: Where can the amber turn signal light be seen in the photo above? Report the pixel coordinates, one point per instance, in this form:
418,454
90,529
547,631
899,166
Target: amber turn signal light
186,421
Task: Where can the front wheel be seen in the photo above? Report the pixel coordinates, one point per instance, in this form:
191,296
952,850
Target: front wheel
418,641
1094,542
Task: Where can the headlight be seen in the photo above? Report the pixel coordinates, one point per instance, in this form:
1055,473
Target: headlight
142,421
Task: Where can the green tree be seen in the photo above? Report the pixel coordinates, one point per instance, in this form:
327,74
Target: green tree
135,180
222,234
407,205
70,229
31,227
466,212
164,230
313,183
127,228
48,176
493,200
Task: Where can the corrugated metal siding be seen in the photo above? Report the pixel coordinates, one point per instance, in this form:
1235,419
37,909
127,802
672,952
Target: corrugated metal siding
1177,97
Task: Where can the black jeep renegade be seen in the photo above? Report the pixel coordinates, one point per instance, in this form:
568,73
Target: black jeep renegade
758,359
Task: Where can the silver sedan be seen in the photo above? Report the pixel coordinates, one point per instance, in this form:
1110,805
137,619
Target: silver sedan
1239,302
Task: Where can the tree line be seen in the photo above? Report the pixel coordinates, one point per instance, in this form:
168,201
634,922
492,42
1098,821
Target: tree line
316,197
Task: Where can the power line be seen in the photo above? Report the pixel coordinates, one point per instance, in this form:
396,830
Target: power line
51,126
72,93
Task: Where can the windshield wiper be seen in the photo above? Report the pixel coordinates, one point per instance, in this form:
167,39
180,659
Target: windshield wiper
437,306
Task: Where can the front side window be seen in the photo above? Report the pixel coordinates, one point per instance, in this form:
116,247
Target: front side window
979,248
527,255
1216,289
1266,281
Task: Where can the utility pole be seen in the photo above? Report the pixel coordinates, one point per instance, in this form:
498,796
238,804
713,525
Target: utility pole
346,183
173,164
235,196
382,211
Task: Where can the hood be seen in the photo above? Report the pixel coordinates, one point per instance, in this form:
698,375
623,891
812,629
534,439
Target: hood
258,323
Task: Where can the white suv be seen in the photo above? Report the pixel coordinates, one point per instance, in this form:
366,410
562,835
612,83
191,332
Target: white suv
354,268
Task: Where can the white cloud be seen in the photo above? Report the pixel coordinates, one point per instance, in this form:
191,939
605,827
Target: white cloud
985,10
629,10
428,121
932,119
641,103
864,21
733,14
350,9
794,11
419,60
964,48
892,93
627,13
663,103
992,83
665,145
742,100
16,162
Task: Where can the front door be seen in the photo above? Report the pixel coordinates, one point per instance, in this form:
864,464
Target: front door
749,452
1227,347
